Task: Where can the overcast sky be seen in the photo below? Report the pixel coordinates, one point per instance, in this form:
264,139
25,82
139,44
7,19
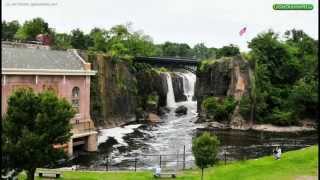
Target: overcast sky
213,22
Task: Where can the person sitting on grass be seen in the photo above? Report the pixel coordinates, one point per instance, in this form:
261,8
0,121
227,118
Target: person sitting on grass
278,153
275,151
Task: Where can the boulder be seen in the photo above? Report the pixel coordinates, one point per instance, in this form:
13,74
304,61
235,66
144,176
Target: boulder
181,110
153,118
141,115
163,110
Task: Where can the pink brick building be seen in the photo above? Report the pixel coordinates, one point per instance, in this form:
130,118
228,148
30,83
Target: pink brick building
63,72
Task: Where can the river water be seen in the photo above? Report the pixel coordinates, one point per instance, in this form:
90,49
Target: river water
169,142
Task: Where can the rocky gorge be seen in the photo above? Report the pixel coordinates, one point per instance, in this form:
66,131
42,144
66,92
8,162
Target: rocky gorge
143,112
122,92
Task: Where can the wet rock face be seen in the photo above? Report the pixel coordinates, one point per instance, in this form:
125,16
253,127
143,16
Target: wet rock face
150,83
177,84
113,92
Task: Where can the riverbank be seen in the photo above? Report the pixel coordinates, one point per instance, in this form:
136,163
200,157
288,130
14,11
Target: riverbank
299,164
273,128
263,127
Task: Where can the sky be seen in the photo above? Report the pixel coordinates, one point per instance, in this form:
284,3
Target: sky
215,23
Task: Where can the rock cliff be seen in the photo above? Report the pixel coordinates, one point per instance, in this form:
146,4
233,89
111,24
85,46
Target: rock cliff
113,92
177,84
226,77
118,95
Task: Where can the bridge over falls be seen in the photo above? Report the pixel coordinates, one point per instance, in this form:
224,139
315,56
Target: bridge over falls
183,63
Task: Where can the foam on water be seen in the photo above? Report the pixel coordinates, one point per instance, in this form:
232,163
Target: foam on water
117,133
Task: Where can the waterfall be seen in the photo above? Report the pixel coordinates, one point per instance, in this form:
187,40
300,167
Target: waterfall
189,81
170,95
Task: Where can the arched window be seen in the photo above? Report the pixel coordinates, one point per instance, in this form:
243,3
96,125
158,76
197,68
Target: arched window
76,99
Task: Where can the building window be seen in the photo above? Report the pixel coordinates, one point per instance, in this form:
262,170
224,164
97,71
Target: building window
76,99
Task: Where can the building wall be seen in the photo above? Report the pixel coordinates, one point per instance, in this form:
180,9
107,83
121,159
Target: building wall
61,85
82,125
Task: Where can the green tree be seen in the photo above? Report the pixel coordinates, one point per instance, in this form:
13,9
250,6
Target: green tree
140,44
9,29
99,38
170,49
123,42
79,40
32,125
286,77
228,51
200,51
219,109
205,150
30,29
62,41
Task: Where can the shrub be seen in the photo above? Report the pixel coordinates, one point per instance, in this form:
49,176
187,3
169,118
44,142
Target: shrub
283,118
205,150
163,69
204,65
219,110
245,107
153,99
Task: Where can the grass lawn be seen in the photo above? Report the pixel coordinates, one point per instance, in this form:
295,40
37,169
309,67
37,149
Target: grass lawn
293,165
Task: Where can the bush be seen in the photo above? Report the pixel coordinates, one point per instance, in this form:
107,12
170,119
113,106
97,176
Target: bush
153,99
219,110
139,67
304,98
245,107
283,118
163,69
205,150
204,65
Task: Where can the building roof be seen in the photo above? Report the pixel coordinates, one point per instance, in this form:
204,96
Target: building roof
37,60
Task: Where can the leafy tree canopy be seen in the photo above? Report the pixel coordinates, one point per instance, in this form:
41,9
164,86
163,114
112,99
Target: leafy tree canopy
228,51
30,29
286,73
205,150
33,124
9,29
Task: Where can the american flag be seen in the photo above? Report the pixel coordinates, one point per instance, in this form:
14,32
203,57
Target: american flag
242,31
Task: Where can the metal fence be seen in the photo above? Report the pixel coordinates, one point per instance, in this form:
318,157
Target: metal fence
185,160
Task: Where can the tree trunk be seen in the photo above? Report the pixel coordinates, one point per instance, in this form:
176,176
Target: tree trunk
30,173
201,173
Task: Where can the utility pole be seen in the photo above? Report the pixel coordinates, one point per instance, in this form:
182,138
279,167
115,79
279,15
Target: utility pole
107,163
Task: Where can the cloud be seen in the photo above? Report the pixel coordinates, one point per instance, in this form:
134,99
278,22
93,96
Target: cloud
214,22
